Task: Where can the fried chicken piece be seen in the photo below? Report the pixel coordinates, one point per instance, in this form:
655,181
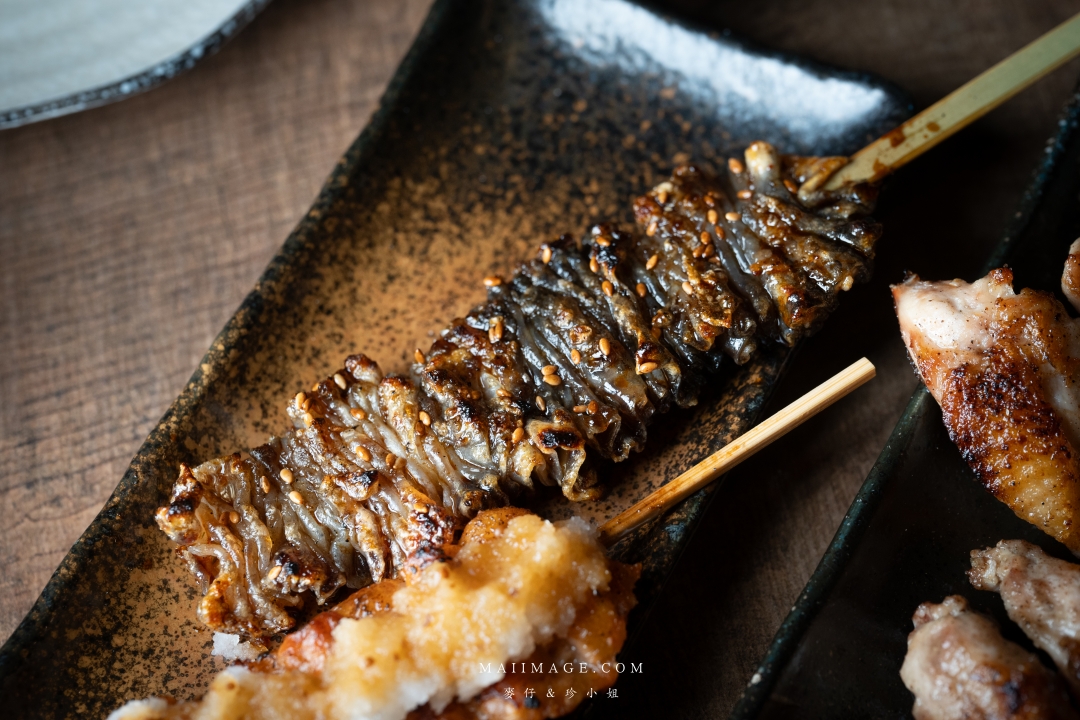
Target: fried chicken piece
1005,368
959,667
1041,595
459,638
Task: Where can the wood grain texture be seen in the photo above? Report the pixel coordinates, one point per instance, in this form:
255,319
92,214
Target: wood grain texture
130,233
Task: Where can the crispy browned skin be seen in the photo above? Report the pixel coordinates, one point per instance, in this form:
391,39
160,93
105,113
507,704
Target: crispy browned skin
1005,368
960,668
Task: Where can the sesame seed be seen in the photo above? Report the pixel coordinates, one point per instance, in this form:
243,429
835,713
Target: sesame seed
847,283
709,251
264,484
651,262
706,238
234,517
651,230
518,435
296,497
503,393
732,216
581,408
274,572
545,254
603,241
339,380
641,289
425,418
662,197
301,398
608,288
363,453
358,413
553,380
593,407
698,251
575,357
309,419
492,280
744,194
735,165
420,507
315,387
593,265
418,356
720,232
286,476
687,288
541,404
713,216
548,370
645,368
390,460
792,187
605,346
495,329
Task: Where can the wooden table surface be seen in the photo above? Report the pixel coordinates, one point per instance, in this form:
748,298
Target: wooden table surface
130,233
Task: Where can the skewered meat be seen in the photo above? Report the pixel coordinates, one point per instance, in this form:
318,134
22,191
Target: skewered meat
1041,595
518,591
569,359
959,667
1005,368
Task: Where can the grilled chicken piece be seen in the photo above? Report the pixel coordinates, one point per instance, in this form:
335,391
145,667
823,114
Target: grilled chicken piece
1041,595
571,358
462,637
959,667
1004,368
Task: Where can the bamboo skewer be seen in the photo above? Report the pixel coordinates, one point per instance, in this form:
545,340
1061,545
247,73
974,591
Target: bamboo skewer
962,107
738,450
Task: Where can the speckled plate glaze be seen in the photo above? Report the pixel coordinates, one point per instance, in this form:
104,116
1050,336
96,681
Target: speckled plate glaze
508,122
907,537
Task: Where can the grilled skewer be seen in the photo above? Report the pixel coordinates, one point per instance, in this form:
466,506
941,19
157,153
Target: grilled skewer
569,359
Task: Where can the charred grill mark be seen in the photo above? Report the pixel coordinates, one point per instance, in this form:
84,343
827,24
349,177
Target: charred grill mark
566,439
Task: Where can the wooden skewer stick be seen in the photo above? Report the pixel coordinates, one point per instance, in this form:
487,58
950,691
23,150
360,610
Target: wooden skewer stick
738,450
962,107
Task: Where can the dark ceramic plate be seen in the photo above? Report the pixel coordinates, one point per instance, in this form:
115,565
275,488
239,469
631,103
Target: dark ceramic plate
507,123
907,537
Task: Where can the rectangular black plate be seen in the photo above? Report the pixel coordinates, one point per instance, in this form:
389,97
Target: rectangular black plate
508,123
907,537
